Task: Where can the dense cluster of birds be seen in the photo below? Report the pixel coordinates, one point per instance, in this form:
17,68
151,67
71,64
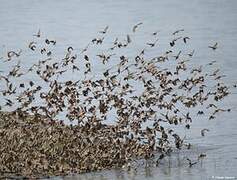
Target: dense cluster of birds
145,95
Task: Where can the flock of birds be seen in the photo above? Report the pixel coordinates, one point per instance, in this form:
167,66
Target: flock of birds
146,95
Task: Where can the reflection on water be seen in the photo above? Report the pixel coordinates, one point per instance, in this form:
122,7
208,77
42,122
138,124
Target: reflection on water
176,166
76,22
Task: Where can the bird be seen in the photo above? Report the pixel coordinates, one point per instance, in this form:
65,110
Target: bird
211,117
86,48
32,45
70,49
136,26
155,33
200,112
159,158
105,30
190,162
177,31
185,39
38,34
11,54
145,114
152,44
49,53
213,47
128,39
172,43
47,41
42,50
177,56
203,131
201,156
191,53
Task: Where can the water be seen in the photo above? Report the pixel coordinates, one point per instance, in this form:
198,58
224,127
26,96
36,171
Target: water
75,23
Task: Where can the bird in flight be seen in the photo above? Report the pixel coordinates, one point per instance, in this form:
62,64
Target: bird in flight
128,39
203,131
179,30
136,26
191,53
214,47
190,162
155,33
152,44
105,30
185,39
38,34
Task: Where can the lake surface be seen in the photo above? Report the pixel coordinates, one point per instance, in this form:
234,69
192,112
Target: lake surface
76,22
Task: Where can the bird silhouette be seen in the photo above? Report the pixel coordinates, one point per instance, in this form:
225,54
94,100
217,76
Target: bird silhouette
214,47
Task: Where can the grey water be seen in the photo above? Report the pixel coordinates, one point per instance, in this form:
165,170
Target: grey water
76,22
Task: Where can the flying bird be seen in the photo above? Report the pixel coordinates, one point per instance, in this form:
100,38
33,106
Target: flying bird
152,44
155,33
190,162
105,30
179,30
191,53
38,34
128,39
136,26
203,131
185,39
214,47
